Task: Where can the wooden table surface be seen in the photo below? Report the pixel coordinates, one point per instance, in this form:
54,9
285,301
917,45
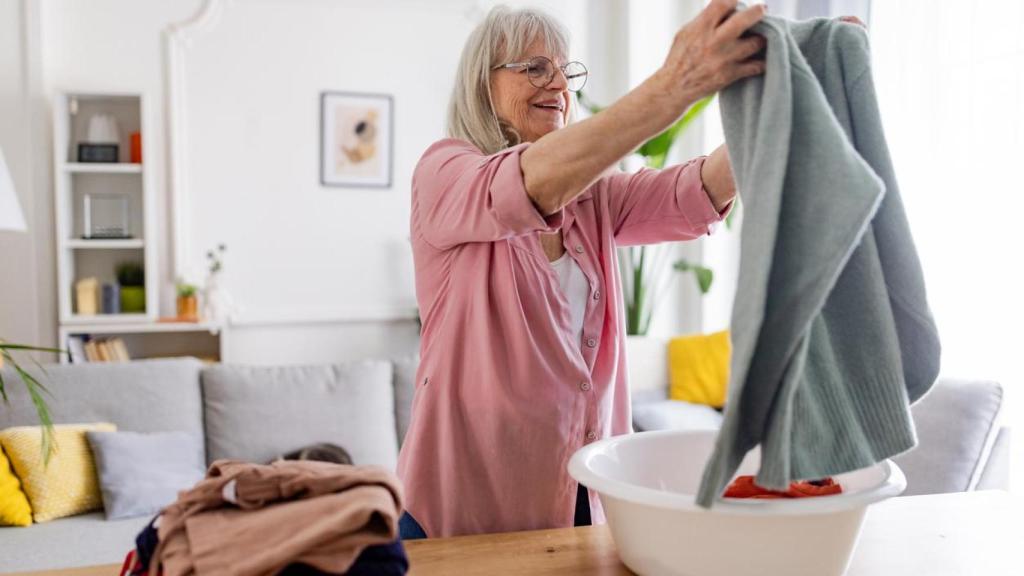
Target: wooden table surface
964,534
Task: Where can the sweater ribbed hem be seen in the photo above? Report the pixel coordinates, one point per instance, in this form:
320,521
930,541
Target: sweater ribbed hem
827,431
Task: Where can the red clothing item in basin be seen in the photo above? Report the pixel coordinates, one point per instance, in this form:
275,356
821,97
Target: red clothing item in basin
744,487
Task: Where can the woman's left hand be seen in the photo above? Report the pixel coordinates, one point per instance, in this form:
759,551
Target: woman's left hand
716,173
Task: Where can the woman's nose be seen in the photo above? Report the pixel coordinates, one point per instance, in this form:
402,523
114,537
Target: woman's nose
558,81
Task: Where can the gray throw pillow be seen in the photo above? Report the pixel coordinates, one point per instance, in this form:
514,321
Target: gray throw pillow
141,473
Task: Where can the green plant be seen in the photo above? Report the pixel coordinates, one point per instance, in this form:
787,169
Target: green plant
33,386
643,269
186,290
131,274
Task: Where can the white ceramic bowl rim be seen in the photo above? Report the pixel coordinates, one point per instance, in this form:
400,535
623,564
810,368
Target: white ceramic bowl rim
893,484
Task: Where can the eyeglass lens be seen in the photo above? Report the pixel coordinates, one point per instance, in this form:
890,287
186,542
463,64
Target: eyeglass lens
541,71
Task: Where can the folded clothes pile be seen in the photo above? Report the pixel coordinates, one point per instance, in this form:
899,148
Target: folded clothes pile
289,517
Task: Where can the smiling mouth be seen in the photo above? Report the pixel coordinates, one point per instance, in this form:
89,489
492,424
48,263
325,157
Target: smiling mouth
552,107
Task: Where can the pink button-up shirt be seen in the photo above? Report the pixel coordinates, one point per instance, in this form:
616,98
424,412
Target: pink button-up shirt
504,395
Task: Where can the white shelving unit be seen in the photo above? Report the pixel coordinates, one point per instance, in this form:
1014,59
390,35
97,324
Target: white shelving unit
79,256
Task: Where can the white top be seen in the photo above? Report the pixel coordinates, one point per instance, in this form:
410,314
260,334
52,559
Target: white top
576,289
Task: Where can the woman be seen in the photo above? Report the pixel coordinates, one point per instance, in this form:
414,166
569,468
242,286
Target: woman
515,224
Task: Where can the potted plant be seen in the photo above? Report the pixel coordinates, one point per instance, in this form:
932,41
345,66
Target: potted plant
643,269
131,277
188,302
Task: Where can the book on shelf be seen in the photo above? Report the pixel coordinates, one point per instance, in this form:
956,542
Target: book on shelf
103,350
76,350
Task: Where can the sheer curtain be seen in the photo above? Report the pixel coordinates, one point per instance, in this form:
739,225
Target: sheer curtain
950,78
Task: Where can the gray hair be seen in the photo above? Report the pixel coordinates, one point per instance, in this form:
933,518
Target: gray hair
502,37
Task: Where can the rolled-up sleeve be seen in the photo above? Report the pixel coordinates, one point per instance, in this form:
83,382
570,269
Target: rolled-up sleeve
651,206
460,195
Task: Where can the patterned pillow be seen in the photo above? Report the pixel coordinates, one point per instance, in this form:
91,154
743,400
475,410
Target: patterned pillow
14,508
67,484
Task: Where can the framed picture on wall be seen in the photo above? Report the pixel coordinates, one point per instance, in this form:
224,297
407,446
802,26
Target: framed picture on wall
356,133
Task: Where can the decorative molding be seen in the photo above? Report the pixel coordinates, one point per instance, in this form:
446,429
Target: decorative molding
178,37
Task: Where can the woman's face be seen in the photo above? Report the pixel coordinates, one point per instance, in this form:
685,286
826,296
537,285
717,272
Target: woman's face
531,111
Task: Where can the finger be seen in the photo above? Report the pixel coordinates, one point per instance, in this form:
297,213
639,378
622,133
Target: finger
747,69
744,48
738,23
717,10
853,20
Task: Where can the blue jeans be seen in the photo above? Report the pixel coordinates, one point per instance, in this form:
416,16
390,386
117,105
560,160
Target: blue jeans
410,529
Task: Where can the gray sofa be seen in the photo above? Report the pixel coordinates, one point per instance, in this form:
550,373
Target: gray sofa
249,413
257,413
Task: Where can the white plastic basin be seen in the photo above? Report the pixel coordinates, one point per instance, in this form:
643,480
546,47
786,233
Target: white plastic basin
647,483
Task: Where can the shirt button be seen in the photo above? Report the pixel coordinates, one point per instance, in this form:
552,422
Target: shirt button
584,386
591,435
591,342
597,294
579,249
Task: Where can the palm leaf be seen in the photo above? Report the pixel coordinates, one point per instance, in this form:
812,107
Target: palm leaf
35,391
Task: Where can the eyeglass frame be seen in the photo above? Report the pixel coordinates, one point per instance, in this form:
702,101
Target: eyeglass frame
553,66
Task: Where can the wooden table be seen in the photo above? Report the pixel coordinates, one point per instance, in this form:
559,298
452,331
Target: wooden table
964,534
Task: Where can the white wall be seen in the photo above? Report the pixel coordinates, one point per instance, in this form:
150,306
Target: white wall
27,274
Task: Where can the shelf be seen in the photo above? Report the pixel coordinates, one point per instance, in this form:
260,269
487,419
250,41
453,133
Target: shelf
105,319
111,244
140,328
103,168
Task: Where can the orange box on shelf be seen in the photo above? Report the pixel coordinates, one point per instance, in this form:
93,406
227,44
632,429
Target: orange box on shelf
136,148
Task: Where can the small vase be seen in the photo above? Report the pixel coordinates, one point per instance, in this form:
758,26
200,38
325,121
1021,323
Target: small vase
188,308
133,299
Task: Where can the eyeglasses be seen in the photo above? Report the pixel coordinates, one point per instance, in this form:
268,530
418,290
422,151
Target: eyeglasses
541,71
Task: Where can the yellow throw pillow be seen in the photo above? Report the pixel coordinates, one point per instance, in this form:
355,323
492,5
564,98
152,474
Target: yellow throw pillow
67,485
699,368
14,508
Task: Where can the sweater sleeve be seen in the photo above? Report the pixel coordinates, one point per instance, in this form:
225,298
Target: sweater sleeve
460,195
651,206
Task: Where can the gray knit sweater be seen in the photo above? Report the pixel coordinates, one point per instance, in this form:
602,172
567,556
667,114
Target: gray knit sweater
831,332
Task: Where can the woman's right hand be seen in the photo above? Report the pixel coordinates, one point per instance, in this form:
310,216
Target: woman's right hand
710,52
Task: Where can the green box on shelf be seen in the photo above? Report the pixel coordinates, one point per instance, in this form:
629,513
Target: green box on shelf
133,299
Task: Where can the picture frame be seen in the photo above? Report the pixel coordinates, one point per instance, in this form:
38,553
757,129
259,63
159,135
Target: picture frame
356,139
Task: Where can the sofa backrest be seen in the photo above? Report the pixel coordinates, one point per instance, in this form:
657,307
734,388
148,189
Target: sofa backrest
141,396
957,424
257,413
405,388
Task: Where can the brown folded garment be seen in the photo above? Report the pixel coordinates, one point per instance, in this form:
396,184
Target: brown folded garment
251,519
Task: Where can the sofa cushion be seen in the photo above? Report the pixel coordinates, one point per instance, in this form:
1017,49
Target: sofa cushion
84,540
675,415
259,413
139,396
141,473
956,426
